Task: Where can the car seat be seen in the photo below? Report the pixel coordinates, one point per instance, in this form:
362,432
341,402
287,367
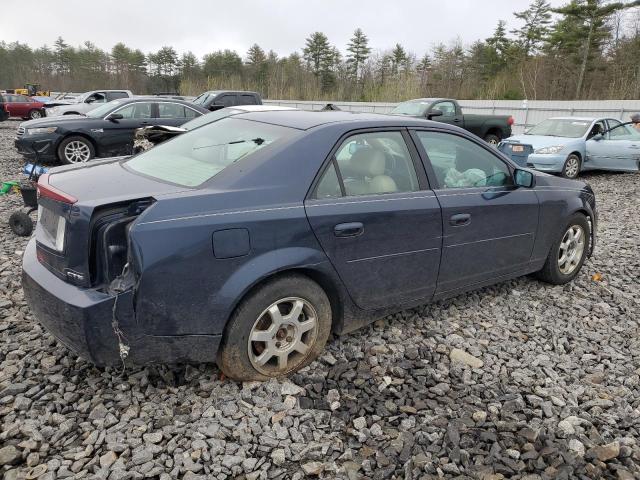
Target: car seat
368,167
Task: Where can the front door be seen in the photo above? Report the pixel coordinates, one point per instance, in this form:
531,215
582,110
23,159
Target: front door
118,134
377,220
450,114
618,149
489,224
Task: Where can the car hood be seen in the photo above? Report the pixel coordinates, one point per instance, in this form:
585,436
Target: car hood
55,121
101,182
540,141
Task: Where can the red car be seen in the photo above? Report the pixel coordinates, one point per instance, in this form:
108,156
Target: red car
23,106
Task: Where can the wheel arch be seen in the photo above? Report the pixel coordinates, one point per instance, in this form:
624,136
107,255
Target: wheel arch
76,134
321,274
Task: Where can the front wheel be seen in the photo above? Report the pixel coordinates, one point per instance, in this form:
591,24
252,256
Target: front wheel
75,150
278,329
571,167
568,252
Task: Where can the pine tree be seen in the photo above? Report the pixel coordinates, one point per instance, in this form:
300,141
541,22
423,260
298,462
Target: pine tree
398,58
582,31
256,55
537,19
359,51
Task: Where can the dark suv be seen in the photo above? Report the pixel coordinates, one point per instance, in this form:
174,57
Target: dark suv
217,99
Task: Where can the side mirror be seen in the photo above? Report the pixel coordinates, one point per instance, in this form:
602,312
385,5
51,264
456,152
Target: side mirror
523,178
90,100
115,117
597,137
434,113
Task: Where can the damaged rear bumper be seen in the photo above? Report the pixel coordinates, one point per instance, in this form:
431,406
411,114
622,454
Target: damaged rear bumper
82,318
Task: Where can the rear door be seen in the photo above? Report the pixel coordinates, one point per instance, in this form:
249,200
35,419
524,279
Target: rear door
489,224
619,149
377,220
174,114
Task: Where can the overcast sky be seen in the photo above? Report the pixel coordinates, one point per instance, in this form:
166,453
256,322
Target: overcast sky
203,26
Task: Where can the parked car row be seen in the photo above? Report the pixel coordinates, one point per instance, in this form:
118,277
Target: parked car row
105,131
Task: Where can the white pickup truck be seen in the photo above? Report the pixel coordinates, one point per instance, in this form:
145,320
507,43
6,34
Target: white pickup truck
85,102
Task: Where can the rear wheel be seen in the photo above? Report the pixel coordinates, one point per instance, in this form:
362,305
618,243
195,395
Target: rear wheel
75,150
568,252
571,167
35,114
492,139
277,329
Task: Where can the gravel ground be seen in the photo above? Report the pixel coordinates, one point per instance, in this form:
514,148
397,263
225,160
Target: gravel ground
520,380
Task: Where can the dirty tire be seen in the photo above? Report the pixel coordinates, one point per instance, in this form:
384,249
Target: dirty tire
234,355
85,145
571,167
21,224
550,272
492,139
35,114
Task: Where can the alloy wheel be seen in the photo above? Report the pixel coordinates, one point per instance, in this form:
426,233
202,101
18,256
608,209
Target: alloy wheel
77,152
35,114
282,336
572,167
571,249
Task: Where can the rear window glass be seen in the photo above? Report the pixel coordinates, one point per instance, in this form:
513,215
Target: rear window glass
197,156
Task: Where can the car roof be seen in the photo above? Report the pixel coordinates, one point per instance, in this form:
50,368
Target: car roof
582,119
429,100
261,108
304,119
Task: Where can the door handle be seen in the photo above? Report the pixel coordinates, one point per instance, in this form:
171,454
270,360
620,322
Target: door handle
460,219
456,120
635,147
348,229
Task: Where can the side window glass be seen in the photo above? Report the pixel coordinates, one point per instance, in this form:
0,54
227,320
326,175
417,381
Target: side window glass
127,112
460,163
247,100
329,185
142,110
228,100
191,113
116,95
376,163
170,110
448,109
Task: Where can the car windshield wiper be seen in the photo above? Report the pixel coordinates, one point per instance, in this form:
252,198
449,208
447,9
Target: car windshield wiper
257,141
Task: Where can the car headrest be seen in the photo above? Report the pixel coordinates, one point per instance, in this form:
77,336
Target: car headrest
367,162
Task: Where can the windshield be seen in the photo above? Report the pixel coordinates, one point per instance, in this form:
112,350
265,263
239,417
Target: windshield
202,98
102,110
411,108
561,127
197,156
210,117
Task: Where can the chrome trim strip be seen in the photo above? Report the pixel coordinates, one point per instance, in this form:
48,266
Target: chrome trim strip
393,255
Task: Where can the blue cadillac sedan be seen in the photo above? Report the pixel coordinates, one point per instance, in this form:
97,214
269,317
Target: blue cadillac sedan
249,240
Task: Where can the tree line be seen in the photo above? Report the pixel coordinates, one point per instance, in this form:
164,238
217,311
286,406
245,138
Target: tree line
587,49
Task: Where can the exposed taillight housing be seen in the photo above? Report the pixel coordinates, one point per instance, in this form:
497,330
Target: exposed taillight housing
45,189
511,120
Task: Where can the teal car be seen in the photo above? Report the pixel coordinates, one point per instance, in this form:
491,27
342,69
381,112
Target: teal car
570,145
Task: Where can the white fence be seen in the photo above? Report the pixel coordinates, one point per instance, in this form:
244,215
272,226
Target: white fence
525,113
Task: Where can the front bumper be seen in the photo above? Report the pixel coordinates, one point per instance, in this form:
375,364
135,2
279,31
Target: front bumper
546,163
81,319
46,146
